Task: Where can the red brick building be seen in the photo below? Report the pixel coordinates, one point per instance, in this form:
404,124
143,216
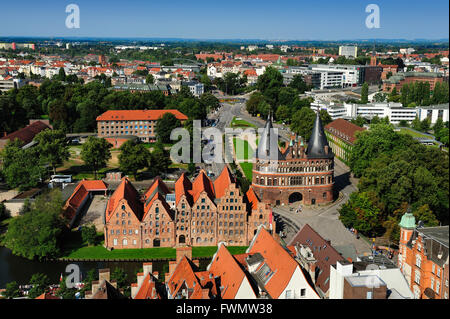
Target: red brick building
198,213
140,123
296,173
423,258
400,79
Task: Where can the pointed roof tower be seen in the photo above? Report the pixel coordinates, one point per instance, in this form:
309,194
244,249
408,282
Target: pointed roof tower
268,139
318,145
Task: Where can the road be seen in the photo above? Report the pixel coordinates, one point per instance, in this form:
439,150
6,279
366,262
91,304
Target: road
324,219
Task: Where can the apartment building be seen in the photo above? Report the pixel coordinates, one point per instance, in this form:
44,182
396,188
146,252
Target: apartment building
348,50
423,258
139,123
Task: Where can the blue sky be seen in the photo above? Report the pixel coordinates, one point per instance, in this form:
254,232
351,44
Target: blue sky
230,19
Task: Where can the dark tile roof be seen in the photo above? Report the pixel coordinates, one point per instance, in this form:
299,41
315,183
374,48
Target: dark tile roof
344,130
322,250
27,133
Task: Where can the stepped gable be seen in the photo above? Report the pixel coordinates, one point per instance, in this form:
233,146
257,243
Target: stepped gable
183,186
125,191
252,198
202,184
223,181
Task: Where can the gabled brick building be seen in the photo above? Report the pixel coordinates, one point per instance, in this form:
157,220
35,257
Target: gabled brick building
198,213
423,258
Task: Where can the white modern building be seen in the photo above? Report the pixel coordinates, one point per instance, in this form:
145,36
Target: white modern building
394,111
433,112
348,50
350,73
345,276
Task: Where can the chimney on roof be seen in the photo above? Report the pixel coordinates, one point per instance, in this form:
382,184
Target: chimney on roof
104,274
147,268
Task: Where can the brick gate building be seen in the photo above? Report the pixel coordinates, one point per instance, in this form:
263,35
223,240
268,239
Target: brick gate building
297,173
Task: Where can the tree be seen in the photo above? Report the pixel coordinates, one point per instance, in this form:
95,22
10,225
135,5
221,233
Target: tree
271,79
424,214
438,126
3,212
253,102
209,101
325,117
12,290
40,284
283,113
149,79
159,160
21,167
36,235
299,84
360,121
89,234
165,125
425,125
61,74
64,292
53,148
393,96
379,97
415,124
361,214
381,138
96,153
303,122
365,93
133,157
120,276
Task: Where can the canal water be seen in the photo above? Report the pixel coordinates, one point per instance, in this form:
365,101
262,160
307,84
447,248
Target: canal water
14,268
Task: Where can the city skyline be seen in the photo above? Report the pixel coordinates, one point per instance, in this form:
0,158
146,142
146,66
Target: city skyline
209,21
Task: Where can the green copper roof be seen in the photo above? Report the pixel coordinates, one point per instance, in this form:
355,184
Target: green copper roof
408,221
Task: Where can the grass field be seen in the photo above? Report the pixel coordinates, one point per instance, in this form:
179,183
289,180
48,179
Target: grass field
247,168
236,122
75,165
413,133
246,153
100,252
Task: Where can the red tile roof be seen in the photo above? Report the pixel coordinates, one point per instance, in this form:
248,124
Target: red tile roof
147,289
252,198
184,273
277,258
183,186
223,181
344,130
134,115
27,133
228,270
125,191
323,252
202,184
79,195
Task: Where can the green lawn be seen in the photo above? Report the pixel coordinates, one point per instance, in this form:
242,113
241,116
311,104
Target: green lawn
99,252
246,153
236,122
413,133
247,167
